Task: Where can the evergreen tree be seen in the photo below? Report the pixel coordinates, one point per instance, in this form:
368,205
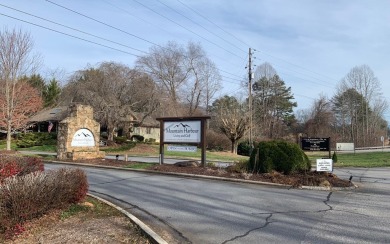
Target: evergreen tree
51,93
273,105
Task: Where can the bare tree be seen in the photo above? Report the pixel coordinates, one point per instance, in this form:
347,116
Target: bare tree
16,61
114,91
203,81
186,76
231,118
356,100
321,119
167,67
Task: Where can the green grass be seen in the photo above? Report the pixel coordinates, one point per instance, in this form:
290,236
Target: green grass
367,160
214,156
99,209
139,165
3,145
43,148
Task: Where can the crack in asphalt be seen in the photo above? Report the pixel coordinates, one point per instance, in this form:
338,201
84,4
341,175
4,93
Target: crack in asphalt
133,206
267,222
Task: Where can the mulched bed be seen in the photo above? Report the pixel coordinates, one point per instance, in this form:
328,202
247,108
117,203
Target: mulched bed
296,180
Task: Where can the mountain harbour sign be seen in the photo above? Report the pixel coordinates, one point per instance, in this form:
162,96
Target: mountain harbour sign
183,130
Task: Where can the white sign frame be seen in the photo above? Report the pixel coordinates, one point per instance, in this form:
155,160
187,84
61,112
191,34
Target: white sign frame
182,131
325,165
182,148
83,138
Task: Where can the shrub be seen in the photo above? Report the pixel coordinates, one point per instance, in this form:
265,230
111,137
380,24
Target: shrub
32,195
281,156
11,165
244,148
217,141
138,138
150,140
334,157
36,139
120,139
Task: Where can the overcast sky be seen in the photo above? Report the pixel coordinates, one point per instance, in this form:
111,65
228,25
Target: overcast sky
311,44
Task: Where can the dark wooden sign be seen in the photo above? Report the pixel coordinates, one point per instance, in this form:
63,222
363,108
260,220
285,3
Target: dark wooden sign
315,144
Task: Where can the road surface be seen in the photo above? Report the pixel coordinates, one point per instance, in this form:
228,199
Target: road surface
205,211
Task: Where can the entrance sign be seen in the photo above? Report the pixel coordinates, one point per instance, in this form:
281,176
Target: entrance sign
325,165
182,148
182,131
83,138
315,144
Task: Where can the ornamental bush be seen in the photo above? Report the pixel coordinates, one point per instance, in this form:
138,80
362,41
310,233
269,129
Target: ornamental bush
36,139
11,165
281,156
244,148
26,197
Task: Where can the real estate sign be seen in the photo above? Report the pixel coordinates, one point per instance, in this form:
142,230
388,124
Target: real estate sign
182,131
325,165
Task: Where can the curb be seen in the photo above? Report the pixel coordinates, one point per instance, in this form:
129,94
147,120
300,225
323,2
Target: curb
175,174
320,188
145,229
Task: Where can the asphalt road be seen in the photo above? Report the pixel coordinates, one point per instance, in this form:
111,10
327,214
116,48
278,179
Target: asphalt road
207,211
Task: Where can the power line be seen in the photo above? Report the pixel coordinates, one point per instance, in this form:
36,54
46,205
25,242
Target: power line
204,17
74,29
212,33
298,66
159,27
103,23
76,37
182,26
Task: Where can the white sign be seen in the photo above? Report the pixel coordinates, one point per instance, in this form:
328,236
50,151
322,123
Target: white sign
345,146
83,138
325,165
182,131
182,148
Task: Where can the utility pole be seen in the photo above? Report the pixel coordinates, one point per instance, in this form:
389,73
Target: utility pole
250,100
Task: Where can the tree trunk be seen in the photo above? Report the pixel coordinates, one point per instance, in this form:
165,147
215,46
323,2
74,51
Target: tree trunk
233,144
8,136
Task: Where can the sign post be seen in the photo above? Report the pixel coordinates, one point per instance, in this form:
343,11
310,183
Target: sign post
183,130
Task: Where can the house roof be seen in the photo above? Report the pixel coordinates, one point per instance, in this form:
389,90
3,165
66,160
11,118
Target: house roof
61,112
51,114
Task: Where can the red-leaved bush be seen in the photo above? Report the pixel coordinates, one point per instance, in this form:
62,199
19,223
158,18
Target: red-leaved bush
32,195
11,165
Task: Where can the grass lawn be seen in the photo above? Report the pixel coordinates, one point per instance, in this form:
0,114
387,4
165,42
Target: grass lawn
372,159
367,160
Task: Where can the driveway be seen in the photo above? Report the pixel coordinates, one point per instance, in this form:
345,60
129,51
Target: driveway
186,210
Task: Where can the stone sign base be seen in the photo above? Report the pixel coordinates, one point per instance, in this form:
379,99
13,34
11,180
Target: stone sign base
79,135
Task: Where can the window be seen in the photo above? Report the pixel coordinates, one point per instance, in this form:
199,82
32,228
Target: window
148,130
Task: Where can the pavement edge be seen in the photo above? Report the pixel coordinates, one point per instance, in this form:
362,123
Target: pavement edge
155,238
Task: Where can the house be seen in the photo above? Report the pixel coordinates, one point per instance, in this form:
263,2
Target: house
133,124
149,128
47,119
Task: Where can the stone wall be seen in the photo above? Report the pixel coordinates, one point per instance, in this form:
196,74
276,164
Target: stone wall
79,135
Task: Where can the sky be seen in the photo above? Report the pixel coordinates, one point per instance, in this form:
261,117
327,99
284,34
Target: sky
311,44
